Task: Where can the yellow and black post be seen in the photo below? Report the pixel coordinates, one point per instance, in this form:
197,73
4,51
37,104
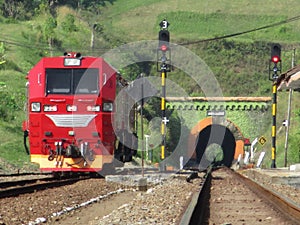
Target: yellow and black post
163,113
274,111
274,69
163,66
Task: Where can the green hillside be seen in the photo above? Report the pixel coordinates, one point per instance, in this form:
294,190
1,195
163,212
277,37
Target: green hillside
34,29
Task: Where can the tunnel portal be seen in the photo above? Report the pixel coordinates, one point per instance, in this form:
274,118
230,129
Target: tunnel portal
215,134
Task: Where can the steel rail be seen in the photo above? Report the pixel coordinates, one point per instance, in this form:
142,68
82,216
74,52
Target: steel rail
25,174
51,183
289,209
197,211
15,183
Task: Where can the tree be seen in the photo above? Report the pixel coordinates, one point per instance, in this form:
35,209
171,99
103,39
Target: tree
93,5
48,31
10,8
68,24
46,6
21,9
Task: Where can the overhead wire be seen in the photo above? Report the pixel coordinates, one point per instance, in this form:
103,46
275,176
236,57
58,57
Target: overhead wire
243,32
295,18
20,44
40,47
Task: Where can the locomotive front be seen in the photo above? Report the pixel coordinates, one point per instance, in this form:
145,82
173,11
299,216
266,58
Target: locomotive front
69,113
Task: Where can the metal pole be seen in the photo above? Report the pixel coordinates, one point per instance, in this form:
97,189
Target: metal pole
163,47
287,127
147,146
275,58
288,116
142,125
163,115
274,110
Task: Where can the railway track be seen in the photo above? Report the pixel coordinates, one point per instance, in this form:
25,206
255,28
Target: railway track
24,174
18,187
227,197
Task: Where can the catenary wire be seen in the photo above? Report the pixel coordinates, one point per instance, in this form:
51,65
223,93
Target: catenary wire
295,18
244,32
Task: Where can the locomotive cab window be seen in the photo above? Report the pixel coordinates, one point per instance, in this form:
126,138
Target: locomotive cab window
72,81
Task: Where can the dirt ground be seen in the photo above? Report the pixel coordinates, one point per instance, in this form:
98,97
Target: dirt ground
92,213
42,204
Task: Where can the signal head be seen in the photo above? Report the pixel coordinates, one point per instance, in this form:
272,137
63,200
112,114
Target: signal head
164,48
163,37
275,53
275,59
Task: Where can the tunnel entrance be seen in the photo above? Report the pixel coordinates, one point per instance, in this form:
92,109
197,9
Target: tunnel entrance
215,144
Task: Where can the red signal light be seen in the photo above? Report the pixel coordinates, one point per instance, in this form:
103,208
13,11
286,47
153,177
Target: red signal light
247,141
164,48
275,59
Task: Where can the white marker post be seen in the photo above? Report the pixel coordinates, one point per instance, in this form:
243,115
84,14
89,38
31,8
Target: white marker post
260,159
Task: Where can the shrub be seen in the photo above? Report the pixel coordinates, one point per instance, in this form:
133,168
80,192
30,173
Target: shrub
68,25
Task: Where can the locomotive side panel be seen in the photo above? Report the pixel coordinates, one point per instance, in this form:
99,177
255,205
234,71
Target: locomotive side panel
107,95
108,88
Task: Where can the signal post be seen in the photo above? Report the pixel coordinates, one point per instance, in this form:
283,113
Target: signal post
163,66
274,69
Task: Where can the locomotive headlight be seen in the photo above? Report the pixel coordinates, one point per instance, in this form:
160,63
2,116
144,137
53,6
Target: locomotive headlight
35,107
50,108
71,133
108,107
95,108
71,108
72,62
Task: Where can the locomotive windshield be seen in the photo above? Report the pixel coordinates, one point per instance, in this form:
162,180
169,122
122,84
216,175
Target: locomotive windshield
72,81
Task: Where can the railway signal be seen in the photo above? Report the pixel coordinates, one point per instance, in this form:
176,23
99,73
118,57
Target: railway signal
275,62
164,39
276,53
163,66
164,51
274,70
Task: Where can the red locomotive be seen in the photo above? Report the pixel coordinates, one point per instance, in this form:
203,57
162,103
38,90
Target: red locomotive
69,113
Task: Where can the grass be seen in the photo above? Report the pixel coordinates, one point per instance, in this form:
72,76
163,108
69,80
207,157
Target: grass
11,143
195,26
11,147
201,19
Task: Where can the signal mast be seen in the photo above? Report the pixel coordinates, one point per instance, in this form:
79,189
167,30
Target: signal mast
163,66
274,69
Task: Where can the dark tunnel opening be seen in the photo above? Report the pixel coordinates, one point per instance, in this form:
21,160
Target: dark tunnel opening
219,135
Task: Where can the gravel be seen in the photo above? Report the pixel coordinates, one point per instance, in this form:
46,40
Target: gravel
42,204
162,203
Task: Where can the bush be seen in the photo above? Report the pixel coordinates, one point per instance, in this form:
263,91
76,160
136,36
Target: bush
9,103
68,25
